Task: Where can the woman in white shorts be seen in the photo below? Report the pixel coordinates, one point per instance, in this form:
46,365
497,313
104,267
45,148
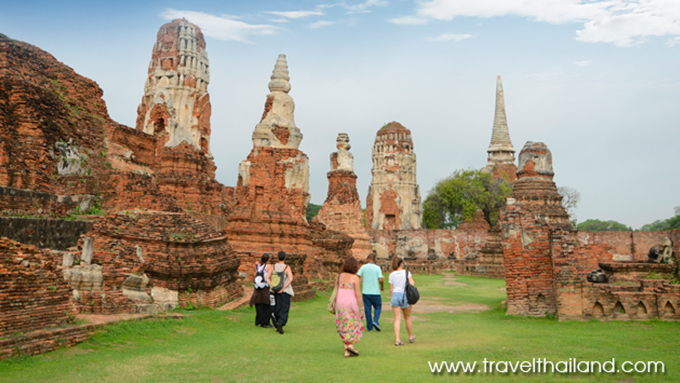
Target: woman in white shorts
398,301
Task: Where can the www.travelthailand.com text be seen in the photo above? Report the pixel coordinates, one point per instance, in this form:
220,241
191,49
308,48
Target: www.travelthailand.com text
543,366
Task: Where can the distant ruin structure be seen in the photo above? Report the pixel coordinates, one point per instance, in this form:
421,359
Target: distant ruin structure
176,99
501,153
342,209
393,201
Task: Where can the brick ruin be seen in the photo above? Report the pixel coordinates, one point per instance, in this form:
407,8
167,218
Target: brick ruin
501,153
150,262
176,99
33,293
167,233
393,200
342,209
272,193
547,261
488,262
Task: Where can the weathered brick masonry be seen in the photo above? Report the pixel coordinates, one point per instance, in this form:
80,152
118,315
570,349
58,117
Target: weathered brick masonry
33,293
547,261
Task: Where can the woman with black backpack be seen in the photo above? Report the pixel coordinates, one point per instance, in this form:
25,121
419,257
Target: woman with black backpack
260,297
399,302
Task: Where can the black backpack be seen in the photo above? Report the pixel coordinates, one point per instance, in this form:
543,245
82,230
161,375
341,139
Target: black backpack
260,281
410,291
277,279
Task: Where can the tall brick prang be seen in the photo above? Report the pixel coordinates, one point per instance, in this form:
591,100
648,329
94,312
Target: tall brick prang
393,201
342,209
176,99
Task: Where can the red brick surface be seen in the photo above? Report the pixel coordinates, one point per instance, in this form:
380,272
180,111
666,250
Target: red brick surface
33,293
342,211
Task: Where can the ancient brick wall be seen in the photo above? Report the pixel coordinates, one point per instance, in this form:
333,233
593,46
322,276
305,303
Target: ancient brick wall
15,202
420,243
33,293
55,234
628,245
182,257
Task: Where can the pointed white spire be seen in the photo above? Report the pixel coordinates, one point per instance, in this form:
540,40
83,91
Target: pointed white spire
280,79
500,149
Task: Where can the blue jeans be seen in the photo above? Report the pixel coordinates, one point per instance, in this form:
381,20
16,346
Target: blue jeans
374,301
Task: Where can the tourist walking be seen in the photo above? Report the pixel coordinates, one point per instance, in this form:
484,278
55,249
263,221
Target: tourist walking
348,311
281,291
398,302
372,285
260,297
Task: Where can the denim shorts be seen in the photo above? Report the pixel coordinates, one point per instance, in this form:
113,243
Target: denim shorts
399,300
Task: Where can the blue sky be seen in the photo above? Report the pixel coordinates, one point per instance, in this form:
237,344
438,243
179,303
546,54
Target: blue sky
597,81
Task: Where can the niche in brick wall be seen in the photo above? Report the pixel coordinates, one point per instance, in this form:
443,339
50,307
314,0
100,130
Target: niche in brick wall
669,309
598,310
618,309
641,310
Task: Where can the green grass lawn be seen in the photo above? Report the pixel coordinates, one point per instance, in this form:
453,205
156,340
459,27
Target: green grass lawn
216,346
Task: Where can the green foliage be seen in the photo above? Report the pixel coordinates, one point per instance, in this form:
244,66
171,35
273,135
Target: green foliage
666,224
312,211
597,225
458,197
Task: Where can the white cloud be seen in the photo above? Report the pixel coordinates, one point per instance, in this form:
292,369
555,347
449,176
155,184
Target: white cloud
409,20
450,37
321,23
364,7
221,27
620,22
297,14
674,41
583,63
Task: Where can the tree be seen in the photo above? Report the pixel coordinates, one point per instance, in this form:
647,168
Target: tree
312,211
597,225
458,197
570,199
666,224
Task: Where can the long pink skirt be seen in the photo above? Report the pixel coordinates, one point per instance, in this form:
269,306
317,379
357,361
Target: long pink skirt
347,315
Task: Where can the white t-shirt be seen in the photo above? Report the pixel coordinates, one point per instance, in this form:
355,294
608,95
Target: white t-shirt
398,281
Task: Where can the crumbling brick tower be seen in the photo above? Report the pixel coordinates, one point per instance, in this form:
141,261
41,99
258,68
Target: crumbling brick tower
393,201
533,213
342,209
273,188
176,96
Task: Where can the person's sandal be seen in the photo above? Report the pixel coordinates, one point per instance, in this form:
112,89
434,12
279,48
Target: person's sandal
399,343
412,339
352,351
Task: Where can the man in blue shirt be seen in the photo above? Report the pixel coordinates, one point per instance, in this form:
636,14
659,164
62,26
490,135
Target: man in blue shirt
372,285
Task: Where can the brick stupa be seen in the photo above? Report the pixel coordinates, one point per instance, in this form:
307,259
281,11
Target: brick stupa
393,201
273,189
342,209
501,153
534,210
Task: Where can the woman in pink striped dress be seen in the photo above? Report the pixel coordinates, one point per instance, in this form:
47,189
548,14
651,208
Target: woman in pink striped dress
349,310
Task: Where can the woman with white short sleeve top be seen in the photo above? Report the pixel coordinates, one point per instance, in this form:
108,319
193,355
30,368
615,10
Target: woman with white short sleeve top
398,302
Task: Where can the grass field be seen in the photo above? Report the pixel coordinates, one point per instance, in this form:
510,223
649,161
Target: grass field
215,346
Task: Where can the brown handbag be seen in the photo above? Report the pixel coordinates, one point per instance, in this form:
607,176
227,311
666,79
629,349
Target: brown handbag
331,302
